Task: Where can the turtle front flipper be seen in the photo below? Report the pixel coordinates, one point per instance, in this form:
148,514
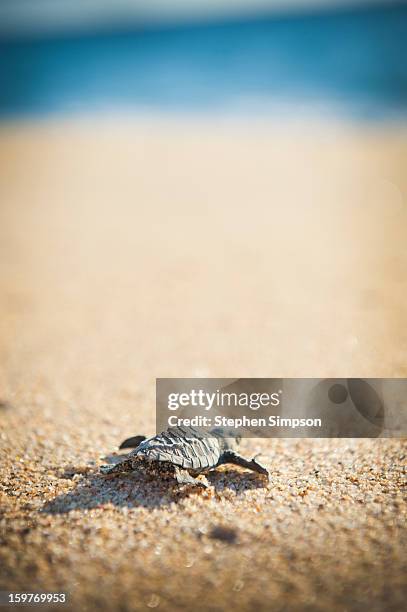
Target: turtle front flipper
230,456
183,477
132,442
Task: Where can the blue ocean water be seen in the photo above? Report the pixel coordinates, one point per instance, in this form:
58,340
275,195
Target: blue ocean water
352,61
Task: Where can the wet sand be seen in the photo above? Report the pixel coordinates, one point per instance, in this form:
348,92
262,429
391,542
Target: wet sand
135,249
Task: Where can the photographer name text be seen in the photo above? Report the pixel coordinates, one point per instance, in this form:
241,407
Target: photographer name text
244,421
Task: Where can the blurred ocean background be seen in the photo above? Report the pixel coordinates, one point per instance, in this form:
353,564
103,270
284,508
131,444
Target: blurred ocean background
208,188
341,58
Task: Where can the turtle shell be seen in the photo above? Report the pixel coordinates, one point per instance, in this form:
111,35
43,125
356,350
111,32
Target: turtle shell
183,446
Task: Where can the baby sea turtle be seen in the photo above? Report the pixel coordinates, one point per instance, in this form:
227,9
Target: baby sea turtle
182,453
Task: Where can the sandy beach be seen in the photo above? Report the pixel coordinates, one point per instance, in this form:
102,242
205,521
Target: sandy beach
140,248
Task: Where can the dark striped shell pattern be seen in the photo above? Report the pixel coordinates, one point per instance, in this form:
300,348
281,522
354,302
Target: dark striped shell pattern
186,447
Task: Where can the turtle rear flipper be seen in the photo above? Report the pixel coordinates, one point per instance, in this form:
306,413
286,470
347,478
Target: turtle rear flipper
107,469
122,466
132,442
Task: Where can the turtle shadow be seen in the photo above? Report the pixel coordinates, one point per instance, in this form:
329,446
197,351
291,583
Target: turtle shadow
96,491
235,480
139,489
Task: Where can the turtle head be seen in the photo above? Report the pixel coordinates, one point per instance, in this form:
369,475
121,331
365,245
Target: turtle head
230,437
